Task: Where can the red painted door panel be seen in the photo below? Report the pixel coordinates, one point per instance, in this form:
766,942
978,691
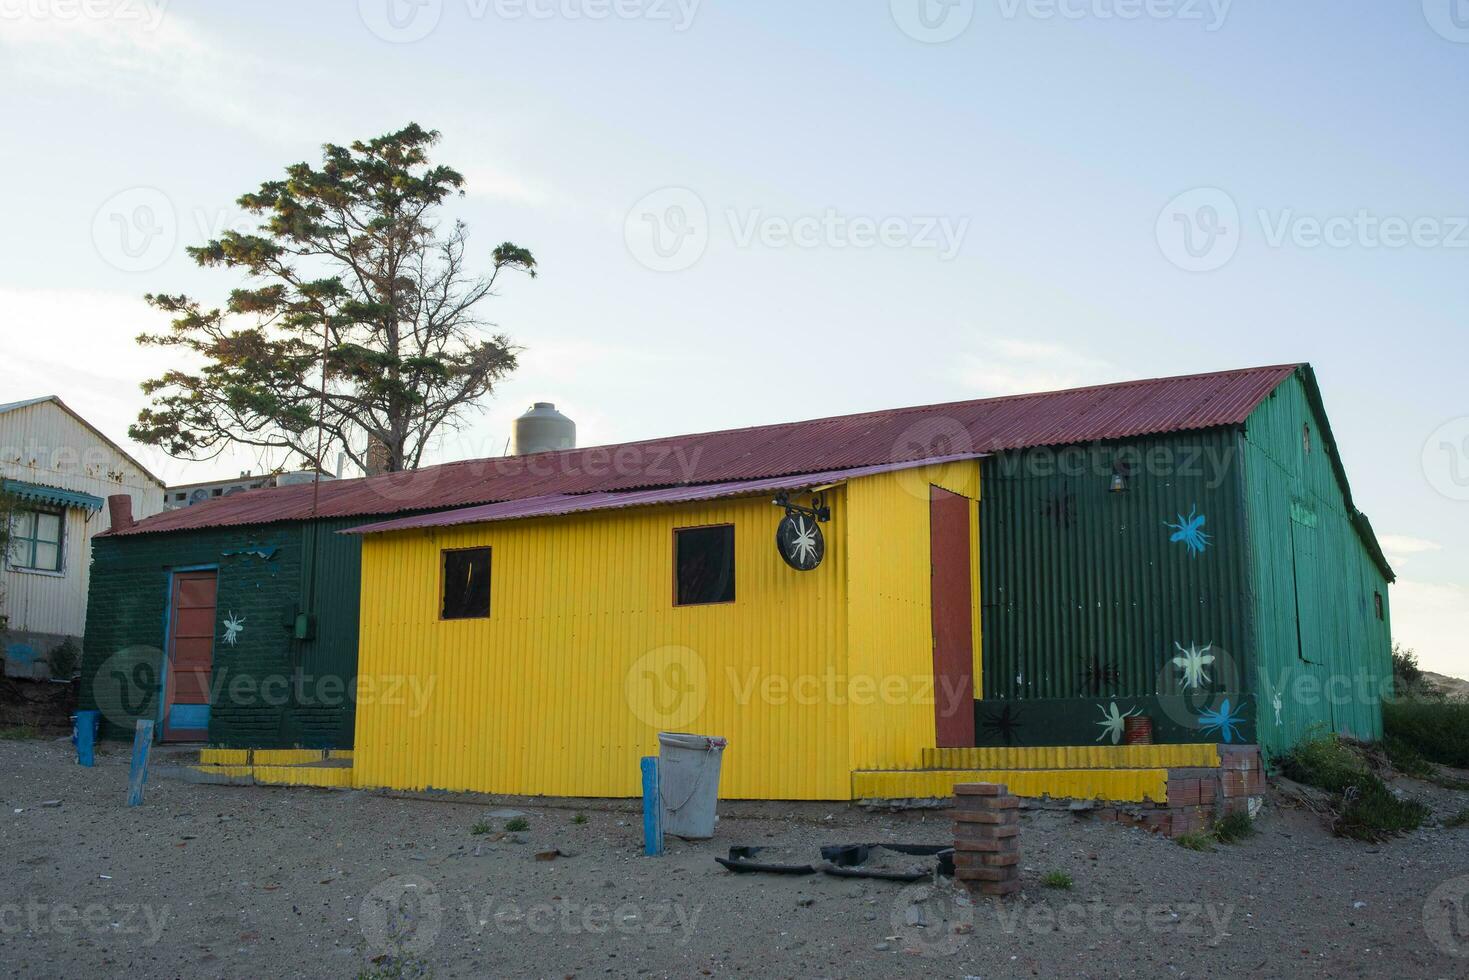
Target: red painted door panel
953,637
190,657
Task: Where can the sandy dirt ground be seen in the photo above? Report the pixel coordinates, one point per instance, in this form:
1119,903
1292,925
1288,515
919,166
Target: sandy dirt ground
219,881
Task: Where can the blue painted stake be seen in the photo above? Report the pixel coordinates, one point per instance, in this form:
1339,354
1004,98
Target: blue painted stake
652,809
86,736
138,775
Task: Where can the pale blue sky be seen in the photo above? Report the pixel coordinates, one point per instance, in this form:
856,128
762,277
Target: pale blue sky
1047,146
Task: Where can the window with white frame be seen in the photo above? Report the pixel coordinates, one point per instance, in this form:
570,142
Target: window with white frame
36,538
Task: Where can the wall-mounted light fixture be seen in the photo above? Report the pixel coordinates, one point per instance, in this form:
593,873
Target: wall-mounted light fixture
1120,472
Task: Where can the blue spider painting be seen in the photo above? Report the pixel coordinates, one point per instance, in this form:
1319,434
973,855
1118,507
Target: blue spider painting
1223,720
1190,530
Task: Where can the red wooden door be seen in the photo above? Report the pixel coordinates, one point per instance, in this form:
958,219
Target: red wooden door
190,657
953,638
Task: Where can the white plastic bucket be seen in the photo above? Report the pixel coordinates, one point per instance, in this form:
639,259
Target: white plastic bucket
688,782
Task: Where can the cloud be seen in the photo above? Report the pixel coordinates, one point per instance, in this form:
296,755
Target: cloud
1433,619
1399,546
487,182
1012,367
140,50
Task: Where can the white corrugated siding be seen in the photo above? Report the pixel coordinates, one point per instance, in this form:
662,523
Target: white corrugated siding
44,444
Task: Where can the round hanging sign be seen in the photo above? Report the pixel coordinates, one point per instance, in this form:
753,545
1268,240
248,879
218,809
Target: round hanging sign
798,539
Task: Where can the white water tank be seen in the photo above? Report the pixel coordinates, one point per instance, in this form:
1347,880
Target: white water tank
542,429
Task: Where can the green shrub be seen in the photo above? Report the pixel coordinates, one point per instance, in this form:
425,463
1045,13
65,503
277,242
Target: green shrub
481,827
1234,827
1366,808
19,732
1325,763
1406,759
1057,879
1460,819
64,659
1436,730
580,818
517,823
1373,813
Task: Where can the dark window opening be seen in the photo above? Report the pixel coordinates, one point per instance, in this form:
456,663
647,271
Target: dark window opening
1306,437
704,565
466,584
1377,603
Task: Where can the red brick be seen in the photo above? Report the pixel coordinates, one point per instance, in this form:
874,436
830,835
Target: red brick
987,816
986,859
980,789
985,831
983,845
985,873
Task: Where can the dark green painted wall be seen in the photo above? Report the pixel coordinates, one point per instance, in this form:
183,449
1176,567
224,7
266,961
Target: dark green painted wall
270,690
1087,600
1310,566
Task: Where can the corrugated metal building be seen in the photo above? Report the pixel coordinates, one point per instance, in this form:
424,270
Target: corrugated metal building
1165,548
58,469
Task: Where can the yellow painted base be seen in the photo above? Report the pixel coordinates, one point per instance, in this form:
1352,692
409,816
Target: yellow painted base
269,757
1203,756
285,775
1117,785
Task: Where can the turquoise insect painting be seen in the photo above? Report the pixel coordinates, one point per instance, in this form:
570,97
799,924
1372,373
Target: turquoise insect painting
1190,531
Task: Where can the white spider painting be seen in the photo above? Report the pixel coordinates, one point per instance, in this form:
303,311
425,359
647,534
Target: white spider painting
1192,662
804,543
1112,722
233,627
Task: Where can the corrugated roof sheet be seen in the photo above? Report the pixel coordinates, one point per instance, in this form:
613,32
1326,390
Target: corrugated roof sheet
1114,411
557,504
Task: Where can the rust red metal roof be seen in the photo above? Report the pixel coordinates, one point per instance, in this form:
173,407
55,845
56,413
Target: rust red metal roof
557,504
1114,411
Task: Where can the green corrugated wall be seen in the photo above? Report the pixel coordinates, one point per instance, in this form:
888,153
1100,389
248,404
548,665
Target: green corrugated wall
270,690
1308,557
1081,583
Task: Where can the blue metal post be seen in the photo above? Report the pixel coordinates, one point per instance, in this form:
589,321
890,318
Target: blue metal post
652,809
86,736
138,774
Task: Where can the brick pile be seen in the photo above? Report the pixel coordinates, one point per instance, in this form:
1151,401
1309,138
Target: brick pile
1199,797
987,838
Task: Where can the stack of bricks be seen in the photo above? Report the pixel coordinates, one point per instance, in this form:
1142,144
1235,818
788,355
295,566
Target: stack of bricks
987,838
1199,797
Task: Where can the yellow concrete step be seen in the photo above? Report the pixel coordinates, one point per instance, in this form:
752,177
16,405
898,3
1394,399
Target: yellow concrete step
269,757
1204,755
1131,785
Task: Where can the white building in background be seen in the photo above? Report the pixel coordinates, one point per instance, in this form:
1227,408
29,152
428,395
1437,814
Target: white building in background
58,471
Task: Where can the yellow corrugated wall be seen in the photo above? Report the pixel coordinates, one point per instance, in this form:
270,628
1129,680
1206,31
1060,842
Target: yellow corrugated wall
584,657
890,626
